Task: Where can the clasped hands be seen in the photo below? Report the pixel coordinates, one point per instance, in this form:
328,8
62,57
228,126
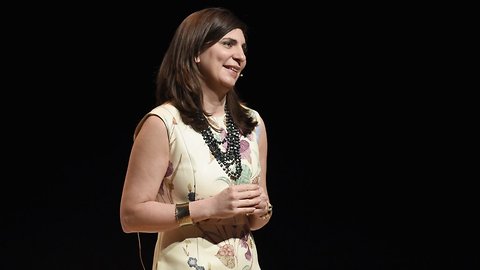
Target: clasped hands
243,199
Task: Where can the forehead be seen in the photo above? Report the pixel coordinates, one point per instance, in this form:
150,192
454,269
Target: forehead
236,34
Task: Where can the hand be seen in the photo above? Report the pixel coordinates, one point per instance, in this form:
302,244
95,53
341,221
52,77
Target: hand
264,207
238,200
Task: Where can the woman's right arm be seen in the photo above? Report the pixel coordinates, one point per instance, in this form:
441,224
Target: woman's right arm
147,165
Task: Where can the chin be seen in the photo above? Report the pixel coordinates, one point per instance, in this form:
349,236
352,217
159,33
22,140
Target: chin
229,84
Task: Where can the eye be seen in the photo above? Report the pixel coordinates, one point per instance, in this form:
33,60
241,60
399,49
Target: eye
230,43
227,43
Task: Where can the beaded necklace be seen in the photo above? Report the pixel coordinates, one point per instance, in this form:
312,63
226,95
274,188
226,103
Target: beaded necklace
229,159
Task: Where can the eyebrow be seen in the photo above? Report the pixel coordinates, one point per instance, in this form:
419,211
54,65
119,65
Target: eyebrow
244,45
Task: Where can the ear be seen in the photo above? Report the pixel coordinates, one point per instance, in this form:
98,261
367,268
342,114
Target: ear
197,59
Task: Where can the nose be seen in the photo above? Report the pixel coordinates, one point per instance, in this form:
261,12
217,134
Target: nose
239,55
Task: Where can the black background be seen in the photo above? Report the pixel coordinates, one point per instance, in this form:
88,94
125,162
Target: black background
362,170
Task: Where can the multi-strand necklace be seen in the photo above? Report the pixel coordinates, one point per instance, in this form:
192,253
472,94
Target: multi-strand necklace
230,159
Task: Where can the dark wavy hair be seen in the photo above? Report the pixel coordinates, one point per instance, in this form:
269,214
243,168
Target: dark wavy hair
178,78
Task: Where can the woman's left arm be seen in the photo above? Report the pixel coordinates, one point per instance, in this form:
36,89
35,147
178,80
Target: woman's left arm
263,213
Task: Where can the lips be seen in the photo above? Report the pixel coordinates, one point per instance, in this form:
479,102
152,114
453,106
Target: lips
234,69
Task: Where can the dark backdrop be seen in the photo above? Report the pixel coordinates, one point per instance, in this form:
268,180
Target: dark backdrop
359,173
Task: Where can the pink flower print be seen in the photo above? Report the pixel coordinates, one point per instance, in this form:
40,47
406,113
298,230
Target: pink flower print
245,150
226,255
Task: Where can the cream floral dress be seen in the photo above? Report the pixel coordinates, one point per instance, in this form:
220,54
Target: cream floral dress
194,174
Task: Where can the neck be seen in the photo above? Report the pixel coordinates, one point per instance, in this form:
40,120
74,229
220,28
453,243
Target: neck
214,107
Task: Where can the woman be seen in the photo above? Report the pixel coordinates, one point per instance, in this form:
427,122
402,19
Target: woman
197,168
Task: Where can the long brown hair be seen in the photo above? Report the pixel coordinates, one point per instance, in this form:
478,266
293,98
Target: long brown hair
178,78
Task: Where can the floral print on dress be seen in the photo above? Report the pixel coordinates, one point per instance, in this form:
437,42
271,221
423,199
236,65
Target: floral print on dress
226,254
207,246
245,150
167,184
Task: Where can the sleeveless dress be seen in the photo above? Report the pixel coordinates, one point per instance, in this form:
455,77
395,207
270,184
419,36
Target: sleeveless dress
194,174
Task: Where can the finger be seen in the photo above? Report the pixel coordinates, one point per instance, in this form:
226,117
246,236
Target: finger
248,203
247,187
250,194
249,211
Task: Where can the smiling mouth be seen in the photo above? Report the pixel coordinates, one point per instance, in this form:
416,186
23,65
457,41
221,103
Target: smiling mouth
234,69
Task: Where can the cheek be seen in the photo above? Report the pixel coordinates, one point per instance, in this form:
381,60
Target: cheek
221,56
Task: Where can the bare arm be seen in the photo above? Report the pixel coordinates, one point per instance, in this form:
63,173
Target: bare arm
256,222
139,210
148,163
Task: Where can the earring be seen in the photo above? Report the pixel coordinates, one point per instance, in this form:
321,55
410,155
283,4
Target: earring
197,60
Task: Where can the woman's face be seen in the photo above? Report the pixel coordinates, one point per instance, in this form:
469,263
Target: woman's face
222,63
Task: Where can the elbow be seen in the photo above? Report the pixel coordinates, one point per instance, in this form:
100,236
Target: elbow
126,222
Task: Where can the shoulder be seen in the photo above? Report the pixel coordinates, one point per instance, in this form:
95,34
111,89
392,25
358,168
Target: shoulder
252,113
260,127
166,112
